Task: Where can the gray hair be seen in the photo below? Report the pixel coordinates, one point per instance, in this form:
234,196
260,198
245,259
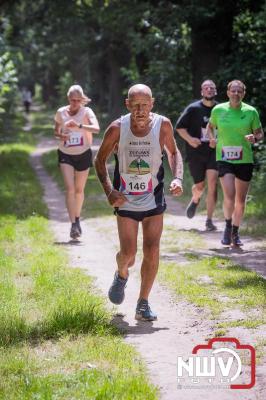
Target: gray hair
77,89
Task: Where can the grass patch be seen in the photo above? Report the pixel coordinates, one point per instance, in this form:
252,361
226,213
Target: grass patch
47,300
95,204
220,333
27,129
74,368
249,323
174,240
20,192
42,123
204,281
181,278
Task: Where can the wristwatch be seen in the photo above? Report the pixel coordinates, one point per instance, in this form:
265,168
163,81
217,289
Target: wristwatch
80,126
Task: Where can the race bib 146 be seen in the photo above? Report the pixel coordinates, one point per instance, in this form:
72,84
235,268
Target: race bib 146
136,184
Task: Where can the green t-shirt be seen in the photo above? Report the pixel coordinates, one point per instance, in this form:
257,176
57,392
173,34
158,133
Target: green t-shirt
232,125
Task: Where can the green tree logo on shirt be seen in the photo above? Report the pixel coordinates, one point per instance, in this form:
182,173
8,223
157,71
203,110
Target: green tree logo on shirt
138,166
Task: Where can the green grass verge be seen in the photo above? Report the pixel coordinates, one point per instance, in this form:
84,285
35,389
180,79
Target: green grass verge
217,284
19,183
56,336
174,241
27,130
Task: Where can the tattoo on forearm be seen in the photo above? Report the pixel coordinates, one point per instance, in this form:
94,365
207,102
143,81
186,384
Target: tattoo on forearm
176,164
103,177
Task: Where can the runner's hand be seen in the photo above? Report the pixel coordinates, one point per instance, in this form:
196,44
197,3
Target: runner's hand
64,136
212,143
176,187
250,138
116,198
194,142
71,124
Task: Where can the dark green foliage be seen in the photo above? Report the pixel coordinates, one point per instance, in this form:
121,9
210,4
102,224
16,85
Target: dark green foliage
108,45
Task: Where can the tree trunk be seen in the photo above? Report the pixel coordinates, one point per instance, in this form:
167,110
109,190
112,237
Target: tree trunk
117,58
210,40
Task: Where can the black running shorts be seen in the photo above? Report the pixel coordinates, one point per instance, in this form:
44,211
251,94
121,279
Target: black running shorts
80,162
140,215
241,171
198,165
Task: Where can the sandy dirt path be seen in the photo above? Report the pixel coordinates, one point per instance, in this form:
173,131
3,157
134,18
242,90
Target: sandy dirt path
180,326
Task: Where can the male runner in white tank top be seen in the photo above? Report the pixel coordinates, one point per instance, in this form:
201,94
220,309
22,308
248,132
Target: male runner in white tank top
137,194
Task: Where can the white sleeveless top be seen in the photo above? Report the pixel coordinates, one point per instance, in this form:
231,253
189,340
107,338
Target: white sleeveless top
140,167
80,139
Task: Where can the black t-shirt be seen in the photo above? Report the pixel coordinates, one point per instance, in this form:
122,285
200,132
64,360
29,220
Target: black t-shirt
194,119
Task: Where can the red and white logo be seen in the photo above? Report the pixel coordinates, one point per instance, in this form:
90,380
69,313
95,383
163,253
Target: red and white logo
222,362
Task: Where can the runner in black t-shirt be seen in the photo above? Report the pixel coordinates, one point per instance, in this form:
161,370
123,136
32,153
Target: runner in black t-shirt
191,126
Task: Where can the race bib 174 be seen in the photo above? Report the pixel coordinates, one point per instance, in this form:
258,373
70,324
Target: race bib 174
232,153
136,184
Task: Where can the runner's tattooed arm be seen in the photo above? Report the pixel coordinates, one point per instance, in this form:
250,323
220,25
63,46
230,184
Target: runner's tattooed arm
110,141
174,156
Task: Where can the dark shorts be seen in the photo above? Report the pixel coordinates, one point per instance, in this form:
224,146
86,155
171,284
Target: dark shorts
80,162
199,164
241,171
140,215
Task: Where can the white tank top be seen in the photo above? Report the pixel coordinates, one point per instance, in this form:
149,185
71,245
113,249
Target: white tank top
80,139
140,166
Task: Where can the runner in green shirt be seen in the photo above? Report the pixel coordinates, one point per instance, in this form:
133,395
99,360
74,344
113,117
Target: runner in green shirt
238,127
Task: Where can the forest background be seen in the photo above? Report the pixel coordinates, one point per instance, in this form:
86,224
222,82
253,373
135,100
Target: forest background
107,45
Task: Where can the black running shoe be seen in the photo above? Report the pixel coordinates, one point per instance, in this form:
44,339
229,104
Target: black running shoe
236,240
191,209
78,226
144,312
227,236
210,226
74,231
116,292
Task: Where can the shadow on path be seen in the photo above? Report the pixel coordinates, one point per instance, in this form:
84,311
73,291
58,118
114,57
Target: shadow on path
69,243
141,327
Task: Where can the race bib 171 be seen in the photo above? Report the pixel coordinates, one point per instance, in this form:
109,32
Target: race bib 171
75,139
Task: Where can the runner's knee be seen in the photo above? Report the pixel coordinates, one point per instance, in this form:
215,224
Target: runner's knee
240,205
151,250
70,190
79,190
126,257
212,190
198,189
